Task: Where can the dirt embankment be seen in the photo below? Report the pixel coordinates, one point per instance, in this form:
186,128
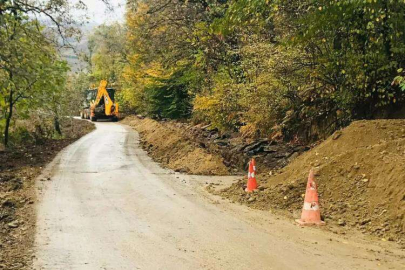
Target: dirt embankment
19,167
199,149
361,176
169,146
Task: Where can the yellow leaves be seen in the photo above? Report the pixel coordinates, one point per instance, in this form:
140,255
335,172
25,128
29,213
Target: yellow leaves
248,131
182,63
133,58
205,103
156,70
160,29
142,8
138,17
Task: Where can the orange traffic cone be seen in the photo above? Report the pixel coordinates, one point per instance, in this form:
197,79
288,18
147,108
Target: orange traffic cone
251,184
311,214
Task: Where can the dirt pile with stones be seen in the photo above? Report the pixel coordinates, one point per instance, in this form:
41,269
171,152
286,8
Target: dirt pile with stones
361,177
179,145
19,168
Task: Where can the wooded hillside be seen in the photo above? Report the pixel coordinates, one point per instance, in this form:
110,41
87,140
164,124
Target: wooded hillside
296,69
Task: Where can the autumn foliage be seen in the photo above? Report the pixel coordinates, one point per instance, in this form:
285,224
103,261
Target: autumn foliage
296,69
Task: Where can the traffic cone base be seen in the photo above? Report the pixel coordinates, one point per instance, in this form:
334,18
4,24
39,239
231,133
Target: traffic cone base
310,223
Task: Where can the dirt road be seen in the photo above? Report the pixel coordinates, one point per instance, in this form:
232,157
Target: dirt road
108,206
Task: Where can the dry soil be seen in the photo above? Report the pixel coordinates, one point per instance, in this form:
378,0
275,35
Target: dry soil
169,146
361,176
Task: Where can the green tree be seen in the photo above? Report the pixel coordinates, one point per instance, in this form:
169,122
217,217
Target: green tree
170,98
30,69
108,53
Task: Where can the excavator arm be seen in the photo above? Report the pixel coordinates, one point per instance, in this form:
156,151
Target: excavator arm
110,108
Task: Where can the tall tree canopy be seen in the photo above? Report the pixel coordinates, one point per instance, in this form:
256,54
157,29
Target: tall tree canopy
264,67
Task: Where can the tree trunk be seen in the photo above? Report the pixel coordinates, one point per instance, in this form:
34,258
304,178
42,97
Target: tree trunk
386,31
57,125
8,120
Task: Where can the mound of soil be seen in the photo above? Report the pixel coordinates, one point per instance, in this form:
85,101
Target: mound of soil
361,176
168,145
231,148
19,167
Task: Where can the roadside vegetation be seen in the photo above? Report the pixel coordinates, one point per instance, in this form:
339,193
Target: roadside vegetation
295,70
36,91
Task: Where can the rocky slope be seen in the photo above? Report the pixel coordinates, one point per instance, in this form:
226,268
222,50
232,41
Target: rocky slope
180,145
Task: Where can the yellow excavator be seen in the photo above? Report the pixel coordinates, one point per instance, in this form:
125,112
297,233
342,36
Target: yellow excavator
99,104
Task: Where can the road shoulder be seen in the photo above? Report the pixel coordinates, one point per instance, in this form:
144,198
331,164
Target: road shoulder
20,169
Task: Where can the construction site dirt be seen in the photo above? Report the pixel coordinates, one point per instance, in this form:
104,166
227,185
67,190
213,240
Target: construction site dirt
359,170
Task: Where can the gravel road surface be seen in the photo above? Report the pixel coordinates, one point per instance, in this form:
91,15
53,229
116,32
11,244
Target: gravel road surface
109,206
